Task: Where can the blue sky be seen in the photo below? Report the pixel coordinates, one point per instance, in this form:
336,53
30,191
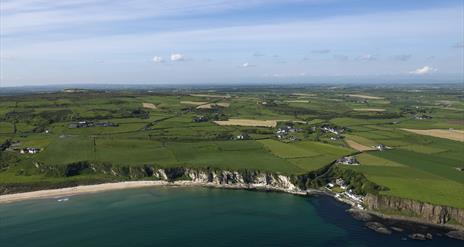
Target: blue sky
228,41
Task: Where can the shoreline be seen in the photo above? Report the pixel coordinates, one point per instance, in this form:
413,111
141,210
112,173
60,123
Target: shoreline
408,219
97,188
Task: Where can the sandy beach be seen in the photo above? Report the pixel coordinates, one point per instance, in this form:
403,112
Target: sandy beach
84,189
78,190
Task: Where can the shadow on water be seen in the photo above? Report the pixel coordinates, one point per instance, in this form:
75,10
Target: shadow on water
357,234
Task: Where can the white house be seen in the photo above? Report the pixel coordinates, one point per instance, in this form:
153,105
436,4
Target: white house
30,150
348,160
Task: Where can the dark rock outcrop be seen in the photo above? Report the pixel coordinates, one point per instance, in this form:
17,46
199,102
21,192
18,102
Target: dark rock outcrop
397,229
456,235
417,236
378,227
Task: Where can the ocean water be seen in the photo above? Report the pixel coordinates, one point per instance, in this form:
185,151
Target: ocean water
190,217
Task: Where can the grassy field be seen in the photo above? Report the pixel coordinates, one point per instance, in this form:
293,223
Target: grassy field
417,166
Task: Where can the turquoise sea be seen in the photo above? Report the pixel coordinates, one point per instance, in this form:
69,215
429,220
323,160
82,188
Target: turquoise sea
190,217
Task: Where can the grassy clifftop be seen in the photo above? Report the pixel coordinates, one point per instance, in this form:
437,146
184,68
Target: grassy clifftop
179,130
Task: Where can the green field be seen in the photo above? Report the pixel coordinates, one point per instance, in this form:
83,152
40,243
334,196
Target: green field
419,167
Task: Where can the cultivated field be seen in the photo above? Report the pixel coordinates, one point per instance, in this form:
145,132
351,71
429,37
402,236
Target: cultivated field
212,105
194,102
456,135
210,96
304,94
363,96
149,106
297,101
369,109
124,133
248,122
357,146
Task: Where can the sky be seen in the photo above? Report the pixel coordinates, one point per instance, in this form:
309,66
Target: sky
46,42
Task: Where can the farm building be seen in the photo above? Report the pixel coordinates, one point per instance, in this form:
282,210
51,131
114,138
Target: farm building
106,124
30,150
334,130
348,160
422,117
340,182
200,119
81,124
335,138
243,136
380,147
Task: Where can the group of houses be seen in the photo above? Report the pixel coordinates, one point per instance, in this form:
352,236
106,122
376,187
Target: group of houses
242,136
348,160
346,195
338,182
106,124
331,129
352,198
200,119
381,147
14,146
422,117
285,132
30,150
81,124
88,124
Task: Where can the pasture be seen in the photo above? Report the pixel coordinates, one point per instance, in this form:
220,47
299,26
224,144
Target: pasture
201,128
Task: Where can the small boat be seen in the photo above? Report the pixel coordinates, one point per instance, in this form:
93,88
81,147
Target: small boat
63,199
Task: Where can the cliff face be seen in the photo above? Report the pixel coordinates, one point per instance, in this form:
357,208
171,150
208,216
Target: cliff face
431,213
243,179
225,178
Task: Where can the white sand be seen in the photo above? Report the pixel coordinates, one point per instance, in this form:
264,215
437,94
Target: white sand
53,193
78,190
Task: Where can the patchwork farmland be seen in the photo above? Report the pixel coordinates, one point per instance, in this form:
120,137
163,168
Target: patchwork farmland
291,131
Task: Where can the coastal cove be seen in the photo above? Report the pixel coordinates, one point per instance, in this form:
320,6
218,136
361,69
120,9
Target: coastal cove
191,216
151,141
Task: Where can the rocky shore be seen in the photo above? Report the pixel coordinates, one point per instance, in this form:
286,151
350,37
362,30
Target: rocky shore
415,229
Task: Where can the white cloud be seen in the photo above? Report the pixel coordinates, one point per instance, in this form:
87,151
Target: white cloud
424,70
175,57
158,59
27,15
318,31
246,65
